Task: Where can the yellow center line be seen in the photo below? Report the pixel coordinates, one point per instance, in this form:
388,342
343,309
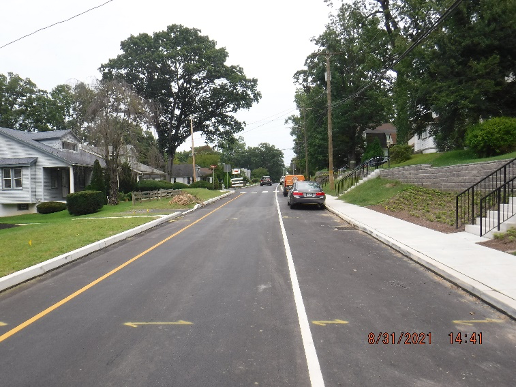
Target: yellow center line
100,279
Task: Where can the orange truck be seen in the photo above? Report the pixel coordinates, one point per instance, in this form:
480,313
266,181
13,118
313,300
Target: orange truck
289,182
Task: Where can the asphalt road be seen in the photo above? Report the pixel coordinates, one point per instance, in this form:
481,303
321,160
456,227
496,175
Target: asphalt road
239,294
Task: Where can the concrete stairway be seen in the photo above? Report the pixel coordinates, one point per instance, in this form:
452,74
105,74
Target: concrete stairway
507,211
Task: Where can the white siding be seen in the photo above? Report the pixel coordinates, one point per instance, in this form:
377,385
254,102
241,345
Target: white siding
33,180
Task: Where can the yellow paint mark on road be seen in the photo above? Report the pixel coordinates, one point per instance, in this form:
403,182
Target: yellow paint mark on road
136,324
324,323
100,279
2,324
472,322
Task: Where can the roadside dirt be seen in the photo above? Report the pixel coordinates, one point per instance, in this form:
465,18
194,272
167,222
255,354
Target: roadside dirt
507,245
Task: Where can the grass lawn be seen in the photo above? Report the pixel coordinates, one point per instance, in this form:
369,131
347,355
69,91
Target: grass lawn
424,203
41,237
450,158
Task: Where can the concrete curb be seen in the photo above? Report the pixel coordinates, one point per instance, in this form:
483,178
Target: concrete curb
39,269
470,285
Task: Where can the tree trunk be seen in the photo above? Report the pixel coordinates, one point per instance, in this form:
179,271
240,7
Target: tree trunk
170,162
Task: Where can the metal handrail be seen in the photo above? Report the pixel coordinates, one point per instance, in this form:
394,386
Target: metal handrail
351,178
496,199
467,202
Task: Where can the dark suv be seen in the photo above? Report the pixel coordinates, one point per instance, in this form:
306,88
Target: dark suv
265,180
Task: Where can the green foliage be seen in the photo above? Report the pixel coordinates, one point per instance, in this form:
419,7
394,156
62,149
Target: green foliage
50,207
127,179
185,57
258,173
97,178
373,192
264,156
400,153
492,137
85,202
201,184
373,149
154,185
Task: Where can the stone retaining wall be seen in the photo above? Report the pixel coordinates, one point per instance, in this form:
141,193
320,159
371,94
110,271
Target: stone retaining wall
455,178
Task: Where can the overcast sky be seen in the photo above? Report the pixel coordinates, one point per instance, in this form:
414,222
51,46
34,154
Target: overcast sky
269,39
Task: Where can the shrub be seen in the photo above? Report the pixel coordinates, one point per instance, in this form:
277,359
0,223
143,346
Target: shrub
492,137
127,179
373,149
85,202
400,153
50,207
153,185
201,184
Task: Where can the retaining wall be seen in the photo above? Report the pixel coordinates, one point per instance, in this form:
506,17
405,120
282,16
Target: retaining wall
455,178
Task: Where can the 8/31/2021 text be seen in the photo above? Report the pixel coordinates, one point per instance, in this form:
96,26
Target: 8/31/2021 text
401,338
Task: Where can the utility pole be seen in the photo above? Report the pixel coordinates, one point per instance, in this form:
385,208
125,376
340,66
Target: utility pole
193,152
330,130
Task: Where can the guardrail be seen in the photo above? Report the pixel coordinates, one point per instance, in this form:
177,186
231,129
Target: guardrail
158,194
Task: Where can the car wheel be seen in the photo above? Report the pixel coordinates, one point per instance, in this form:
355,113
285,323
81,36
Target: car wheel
322,206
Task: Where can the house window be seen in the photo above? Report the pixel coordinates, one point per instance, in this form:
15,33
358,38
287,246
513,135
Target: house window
69,146
12,178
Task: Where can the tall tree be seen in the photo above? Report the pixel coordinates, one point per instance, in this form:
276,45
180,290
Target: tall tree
114,112
185,76
357,47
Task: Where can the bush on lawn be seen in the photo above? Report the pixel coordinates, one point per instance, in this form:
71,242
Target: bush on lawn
50,207
201,184
85,202
400,153
492,137
154,185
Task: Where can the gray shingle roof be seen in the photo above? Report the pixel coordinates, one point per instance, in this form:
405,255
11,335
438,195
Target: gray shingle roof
17,161
69,157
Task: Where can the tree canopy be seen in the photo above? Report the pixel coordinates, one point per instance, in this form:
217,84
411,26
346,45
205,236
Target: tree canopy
423,65
186,78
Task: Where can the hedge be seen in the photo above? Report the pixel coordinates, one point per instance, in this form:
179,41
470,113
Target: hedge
50,207
85,202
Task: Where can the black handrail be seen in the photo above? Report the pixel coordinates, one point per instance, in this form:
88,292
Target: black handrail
496,199
356,174
467,202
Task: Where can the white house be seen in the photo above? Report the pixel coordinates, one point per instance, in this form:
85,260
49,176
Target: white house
423,143
39,167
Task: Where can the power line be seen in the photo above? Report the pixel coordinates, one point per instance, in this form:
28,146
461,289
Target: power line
59,22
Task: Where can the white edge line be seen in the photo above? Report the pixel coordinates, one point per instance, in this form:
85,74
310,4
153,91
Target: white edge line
314,369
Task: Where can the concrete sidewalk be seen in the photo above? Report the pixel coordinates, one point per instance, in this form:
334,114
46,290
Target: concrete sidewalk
484,272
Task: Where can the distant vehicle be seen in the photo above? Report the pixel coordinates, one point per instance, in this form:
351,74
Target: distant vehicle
282,180
238,182
265,180
289,181
306,192
377,161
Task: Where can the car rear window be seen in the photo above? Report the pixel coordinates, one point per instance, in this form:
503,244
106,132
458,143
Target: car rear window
308,185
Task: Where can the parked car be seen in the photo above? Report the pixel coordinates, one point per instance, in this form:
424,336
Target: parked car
265,180
377,161
289,181
306,192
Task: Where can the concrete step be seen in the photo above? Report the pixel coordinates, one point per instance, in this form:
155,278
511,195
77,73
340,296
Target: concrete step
475,229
